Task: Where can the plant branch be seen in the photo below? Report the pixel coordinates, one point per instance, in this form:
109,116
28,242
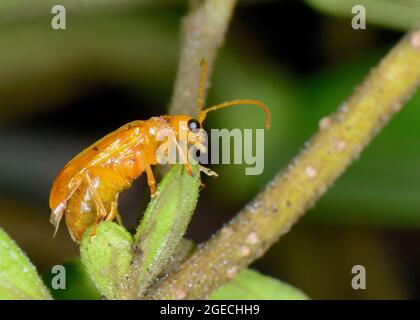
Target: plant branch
203,32
341,138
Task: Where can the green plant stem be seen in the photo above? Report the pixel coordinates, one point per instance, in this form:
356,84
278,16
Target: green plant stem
341,138
203,32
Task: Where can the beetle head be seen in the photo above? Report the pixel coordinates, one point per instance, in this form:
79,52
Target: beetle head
188,128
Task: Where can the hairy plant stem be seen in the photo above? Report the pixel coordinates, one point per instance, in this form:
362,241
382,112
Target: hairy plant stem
203,32
341,138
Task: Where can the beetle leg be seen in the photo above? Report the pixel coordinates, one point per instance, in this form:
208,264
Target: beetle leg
113,212
98,203
118,218
96,198
119,179
151,181
188,168
208,171
185,158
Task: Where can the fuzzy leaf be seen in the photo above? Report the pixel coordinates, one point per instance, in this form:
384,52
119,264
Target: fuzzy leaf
107,258
164,224
18,277
251,285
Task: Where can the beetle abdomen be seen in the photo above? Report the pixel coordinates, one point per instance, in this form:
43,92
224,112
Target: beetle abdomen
82,210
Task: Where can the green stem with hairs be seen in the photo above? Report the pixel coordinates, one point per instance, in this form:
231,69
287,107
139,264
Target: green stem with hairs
203,32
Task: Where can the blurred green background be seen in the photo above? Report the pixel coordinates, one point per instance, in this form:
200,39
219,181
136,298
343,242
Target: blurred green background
62,90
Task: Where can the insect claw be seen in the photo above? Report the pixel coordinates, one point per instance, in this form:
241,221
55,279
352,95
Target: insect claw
118,219
208,172
92,233
189,170
153,190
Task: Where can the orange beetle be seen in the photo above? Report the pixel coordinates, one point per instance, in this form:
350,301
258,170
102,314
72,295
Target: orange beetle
87,188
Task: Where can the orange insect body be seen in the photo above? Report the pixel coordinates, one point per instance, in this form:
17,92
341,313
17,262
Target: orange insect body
87,188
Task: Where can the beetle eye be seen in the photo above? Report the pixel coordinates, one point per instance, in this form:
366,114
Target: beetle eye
193,125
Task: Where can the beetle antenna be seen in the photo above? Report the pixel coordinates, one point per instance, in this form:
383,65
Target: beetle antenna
204,67
202,115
